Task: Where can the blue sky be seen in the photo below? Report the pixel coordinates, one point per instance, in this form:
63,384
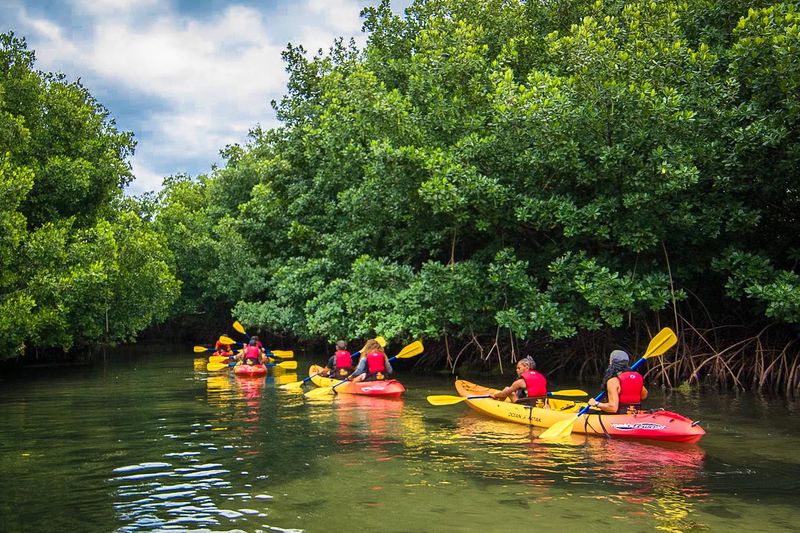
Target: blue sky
186,77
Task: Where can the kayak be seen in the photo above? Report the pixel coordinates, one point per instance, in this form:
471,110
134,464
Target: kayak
250,371
658,425
389,388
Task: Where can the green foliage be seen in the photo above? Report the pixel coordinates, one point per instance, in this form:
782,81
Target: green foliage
524,166
79,264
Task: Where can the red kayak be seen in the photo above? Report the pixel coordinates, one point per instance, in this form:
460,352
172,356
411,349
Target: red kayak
250,371
388,388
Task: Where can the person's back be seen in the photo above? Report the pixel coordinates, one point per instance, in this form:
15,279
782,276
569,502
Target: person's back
252,355
374,365
342,360
624,387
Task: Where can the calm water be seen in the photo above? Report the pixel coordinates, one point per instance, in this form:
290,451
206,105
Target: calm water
151,442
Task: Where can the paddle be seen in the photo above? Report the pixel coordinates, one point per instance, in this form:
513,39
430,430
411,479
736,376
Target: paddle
288,365
411,350
201,349
446,399
299,384
663,341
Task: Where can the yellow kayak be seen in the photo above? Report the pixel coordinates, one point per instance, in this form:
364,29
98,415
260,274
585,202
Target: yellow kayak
659,425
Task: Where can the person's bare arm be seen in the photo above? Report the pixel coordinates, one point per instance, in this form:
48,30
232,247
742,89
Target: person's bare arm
612,392
508,391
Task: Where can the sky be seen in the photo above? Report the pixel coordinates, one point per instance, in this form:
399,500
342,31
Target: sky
187,77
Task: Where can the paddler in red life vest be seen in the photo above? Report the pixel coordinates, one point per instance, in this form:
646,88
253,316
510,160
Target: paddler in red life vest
531,384
340,364
223,349
250,354
625,388
372,366
261,350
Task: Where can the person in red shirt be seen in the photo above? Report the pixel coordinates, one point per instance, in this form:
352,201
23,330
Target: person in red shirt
531,383
625,388
340,364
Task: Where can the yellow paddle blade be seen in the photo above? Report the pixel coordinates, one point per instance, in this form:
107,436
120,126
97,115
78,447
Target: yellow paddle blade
444,399
213,367
288,365
295,385
282,354
320,392
559,429
226,340
569,392
199,349
380,340
239,327
285,378
662,342
411,350
218,359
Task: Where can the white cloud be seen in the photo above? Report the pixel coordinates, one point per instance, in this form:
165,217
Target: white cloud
200,83
340,15
147,179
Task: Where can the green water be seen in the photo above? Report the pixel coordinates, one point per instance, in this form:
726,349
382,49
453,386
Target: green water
144,442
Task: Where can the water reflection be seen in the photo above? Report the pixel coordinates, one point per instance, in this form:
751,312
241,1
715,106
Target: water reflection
663,479
198,484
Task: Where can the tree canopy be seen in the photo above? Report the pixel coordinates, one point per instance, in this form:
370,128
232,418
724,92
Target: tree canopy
540,168
78,265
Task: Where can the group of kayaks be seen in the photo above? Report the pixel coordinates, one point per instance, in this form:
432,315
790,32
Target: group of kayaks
657,425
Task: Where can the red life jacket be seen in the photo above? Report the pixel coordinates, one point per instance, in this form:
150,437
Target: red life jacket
343,359
630,388
535,383
223,347
375,362
251,352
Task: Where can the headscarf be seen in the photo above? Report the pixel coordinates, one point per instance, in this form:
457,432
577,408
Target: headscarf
618,362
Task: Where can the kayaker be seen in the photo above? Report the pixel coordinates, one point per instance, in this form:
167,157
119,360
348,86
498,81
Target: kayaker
264,358
250,354
223,349
625,388
340,364
374,365
531,383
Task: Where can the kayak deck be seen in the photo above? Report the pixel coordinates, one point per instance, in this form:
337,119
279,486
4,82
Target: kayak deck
253,371
390,388
658,425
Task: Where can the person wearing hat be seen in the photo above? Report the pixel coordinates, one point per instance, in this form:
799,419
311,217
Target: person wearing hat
625,388
340,364
531,384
